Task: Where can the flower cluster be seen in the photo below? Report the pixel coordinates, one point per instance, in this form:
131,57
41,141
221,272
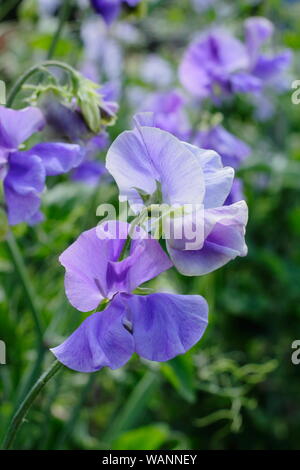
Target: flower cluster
158,326
218,64
177,178
24,172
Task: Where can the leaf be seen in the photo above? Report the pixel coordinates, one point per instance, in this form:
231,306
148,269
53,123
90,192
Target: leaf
134,407
3,224
145,438
180,373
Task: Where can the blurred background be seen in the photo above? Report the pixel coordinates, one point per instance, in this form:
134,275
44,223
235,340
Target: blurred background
237,388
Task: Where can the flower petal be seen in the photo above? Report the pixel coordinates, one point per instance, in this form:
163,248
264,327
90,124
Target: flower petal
16,126
243,82
225,240
231,149
165,325
89,172
257,31
211,56
86,262
146,260
267,68
23,184
139,158
218,179
93,271
100,341
58,158
108,9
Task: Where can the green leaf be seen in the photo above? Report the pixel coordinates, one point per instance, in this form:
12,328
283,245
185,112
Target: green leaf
43,42
180,373
146,438
134,407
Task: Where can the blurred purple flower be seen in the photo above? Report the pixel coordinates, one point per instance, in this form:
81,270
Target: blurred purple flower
105,62
210,62
158,326
91,170
217,63
168,108
232,150
236,193
110,9
140,159
24,172
69,124
265,67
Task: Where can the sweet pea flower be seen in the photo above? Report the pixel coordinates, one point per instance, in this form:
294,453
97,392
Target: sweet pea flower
236,193
147,158
211,63
217,63
233,151
69,125
266,67
169,112
110,9
24,172
91,170
158,326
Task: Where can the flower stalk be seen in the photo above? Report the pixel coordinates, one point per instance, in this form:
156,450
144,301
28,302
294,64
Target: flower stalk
25,406
36,68
20,268
63,17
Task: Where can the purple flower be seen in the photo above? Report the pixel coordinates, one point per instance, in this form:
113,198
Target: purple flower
147,158
110,9
169,113
65,122
158,326
232,150
210,62
237,192
265,67
91,171
217,63
70,125
24,172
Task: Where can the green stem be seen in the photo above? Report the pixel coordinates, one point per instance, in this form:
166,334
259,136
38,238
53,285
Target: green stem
63,16
138,220
35,68
20,267
31,377
27,403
